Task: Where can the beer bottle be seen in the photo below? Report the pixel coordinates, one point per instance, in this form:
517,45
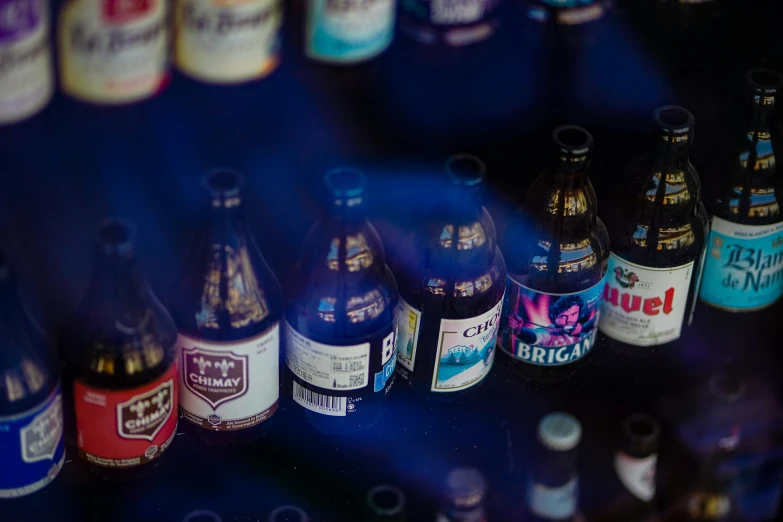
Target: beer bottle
227,305
452,278
553,485
385,503
121,350
453,23
32,451
557,250
657,225
339,309
743,270
466,490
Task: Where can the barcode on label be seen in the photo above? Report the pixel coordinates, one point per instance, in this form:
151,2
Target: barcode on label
318,402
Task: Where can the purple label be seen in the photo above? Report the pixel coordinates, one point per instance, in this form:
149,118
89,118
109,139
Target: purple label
17,18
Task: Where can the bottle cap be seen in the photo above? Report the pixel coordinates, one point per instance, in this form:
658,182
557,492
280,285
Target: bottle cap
224,184
465,170
346,186
559,431
465,487
764,81
115,236
288,514
202,515
642,432
674,119
572,140
727,388
386,501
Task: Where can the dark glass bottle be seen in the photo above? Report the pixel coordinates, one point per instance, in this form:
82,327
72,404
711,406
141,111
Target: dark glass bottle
119,345
657,226
553,485
32,451
557,250
743,270
453,23
227,305
340,300
452,278
466,491
385,503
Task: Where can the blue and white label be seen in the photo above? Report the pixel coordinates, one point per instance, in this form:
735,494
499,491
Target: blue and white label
744,266
389,361
32,451
346,31
556,503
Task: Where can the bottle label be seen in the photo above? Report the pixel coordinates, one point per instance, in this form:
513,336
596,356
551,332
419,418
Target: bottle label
555,503
644,306
126,428
26,77
113,51
228,41
637,475
32,451
327,372
456,12
229,386
549,329
349,30
466,350
408,321
744,266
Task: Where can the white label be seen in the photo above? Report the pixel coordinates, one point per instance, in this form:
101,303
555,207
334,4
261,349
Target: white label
327,366
466,350
319,403
637,475
454,12
226,41
554,503
644,306
408,324
41,438
229,385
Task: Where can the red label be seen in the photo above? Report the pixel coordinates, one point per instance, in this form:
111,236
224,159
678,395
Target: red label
124,428
115,11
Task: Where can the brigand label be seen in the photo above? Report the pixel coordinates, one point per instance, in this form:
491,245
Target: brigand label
113,51
466,350
549,329
744,266
26,77
331,380
349,30
644,306
637,475
229,385
228,41
408,321
125,428
553,503
32,451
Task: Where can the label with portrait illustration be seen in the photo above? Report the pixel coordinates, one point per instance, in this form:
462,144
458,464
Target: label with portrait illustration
408,321
553,502
113,51
743,270
26,76
331,379
126,428
549,329
637,474
228,41
644,306
349,30
32,450
228,386
466,350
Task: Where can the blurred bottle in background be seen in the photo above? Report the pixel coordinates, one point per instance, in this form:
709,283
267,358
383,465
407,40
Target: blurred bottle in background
32,450
452,278
288,514
557,250
385,503
227,305
118,347
743,270
657,226
453,23
464,496
340,300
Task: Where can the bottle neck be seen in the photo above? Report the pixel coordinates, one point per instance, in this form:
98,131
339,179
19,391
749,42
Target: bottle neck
226,220
120,284
673,149
762,113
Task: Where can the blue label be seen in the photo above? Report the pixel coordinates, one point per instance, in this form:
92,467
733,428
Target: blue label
389,361
31,448
349,30
744,265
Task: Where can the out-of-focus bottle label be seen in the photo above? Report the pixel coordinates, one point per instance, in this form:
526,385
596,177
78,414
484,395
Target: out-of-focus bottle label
456,12
466,350
408,324
549,329
32,451
327,371
113,51
554,503
744,266
644,306
228,41
637,475
349,30
26,78
229,386
126,428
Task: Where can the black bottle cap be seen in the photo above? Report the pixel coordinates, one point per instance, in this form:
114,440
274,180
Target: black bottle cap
765,82
727,387
223,185
465,170
386,500
288,514
572,140
675,123
116,237
346,187
466,487
641,432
